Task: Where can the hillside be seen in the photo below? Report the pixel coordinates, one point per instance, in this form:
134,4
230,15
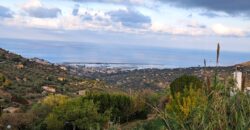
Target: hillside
154,79
245,64
32,79
35,94
24,81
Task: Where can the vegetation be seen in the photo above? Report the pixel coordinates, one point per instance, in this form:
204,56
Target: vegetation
185,82
24,79
4,82
123,108
156,124
84,114
92,111
214,109
187,104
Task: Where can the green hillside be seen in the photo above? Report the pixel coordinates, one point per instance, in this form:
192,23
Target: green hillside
25,78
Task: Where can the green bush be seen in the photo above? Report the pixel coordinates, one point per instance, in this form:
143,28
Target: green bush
84,114
186,111
2,57
16,58
120,105
185,81
2,79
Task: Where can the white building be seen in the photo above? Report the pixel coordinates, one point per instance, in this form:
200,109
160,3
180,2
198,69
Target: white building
239,83
238,79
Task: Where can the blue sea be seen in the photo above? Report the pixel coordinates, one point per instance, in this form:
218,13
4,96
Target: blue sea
59,52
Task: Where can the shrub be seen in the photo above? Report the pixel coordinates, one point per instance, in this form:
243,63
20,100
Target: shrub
212,110
20,121
185,81
2,57
2,79
186,111
84,114
121,106
16,58
54,100
156,124
19,99
4,82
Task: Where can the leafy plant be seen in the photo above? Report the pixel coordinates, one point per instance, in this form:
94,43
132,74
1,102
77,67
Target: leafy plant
82,113
184,82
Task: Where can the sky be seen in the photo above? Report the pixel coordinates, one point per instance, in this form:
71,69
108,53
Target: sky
184,24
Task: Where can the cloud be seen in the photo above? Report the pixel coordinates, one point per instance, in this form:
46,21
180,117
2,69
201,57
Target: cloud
222,30
87,17
34,8
180,30
210,14
43,12
76,10
114,1
130,18
201,26
5,12
232,7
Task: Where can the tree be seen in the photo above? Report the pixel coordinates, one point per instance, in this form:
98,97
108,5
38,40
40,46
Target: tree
82,113
185,81
121,105
54,100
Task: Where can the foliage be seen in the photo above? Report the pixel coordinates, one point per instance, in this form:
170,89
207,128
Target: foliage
4,82
156,124
214,109
185,81
92,111
120,105
19,99
55,100
141,101
2,79
82,113
186,109
123,108
45,107
17,120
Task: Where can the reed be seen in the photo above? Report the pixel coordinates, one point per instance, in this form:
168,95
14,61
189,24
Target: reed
218,54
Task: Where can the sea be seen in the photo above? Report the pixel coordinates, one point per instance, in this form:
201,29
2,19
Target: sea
119,55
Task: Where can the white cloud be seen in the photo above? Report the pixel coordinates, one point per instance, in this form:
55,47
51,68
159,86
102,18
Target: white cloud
181,28
35,8
223,30
31,4
87,18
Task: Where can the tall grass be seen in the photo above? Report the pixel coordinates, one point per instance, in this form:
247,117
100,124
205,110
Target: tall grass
209,108
216,110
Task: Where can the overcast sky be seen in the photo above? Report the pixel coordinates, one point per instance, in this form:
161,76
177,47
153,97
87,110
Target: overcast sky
191,24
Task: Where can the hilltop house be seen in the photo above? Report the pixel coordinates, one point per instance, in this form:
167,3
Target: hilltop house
49,89
11,110
20,66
